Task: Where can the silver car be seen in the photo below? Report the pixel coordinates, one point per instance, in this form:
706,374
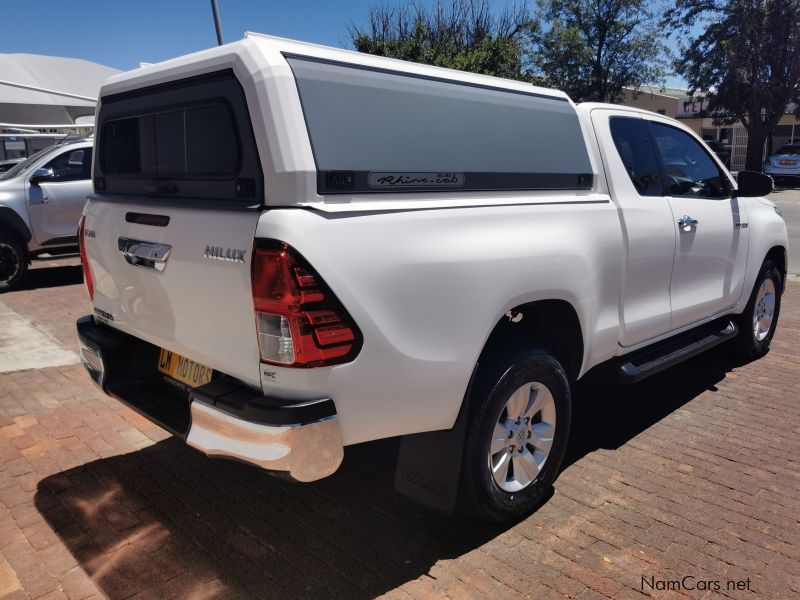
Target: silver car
41,200
785,162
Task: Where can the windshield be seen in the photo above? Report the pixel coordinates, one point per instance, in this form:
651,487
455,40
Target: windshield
18,168
789,149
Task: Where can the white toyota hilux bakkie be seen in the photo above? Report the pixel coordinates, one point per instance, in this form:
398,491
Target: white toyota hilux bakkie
291,249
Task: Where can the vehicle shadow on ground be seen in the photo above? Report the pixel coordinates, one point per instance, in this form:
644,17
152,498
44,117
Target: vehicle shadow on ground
49,277
607,415
167,521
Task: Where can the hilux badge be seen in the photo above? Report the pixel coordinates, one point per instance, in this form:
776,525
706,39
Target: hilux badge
226,254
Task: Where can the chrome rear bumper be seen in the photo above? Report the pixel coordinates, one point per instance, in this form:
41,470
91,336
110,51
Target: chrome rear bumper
307,452
224,418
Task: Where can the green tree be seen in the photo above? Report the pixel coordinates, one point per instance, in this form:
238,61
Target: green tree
459,34
748,56
592,49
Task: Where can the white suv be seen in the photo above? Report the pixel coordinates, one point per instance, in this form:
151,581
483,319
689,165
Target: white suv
41,200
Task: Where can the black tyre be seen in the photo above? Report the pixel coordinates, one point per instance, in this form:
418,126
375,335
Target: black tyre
13,261
760,318
516,438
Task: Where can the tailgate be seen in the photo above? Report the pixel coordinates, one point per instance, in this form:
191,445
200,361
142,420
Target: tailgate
183,285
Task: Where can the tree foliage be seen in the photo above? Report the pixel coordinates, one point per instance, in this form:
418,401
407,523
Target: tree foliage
459,34
591,49
748,55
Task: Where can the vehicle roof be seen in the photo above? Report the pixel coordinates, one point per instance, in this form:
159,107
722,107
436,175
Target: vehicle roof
259,51
69,143
394,64
88,141
589,106
620,107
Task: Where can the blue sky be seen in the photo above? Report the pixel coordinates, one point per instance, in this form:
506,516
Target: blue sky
123,33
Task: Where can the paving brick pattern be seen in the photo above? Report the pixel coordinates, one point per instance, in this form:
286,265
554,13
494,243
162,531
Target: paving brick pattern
692,474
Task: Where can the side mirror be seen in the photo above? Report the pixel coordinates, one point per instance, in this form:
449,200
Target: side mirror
753,184
40,175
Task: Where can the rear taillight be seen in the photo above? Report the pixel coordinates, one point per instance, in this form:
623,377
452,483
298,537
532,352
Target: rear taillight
87,270
300,322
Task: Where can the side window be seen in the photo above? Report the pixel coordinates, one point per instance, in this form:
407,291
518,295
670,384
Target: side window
74,165
636,151
383,131
688,169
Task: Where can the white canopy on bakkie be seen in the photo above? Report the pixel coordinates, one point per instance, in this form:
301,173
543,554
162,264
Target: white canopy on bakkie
335,128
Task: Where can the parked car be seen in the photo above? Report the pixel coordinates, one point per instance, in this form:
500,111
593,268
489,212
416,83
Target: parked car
41,199
5,165
291,249
785,162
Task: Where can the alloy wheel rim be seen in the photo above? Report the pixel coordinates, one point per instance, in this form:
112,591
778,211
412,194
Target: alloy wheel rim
522,437
9,262
764,310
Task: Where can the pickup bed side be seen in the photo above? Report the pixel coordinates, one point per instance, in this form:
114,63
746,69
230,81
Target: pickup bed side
426,288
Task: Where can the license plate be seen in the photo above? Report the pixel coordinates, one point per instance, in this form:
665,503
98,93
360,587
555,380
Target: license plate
184,370
787,162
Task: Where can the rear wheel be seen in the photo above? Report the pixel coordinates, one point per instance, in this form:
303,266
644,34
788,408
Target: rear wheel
759,320
516,438
13,261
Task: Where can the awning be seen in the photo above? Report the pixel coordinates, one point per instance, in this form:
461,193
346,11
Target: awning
42,89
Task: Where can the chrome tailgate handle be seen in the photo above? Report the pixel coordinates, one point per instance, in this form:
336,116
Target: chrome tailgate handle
149,255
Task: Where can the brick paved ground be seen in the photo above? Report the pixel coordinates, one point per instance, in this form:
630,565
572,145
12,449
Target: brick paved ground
694,472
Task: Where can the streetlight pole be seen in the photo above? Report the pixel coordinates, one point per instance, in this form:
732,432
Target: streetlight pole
217,25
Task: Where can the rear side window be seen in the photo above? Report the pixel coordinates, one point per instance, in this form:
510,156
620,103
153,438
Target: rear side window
688,169
378,131
632,140
188,139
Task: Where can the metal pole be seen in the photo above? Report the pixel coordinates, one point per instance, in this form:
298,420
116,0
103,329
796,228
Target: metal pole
217,25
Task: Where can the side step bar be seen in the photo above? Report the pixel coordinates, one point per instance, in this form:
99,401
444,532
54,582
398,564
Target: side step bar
672,351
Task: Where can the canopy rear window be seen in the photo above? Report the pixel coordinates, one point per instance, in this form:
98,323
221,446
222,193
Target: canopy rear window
196,141
191,138
377,130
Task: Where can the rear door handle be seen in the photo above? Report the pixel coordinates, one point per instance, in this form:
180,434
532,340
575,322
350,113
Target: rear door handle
686,222
149,255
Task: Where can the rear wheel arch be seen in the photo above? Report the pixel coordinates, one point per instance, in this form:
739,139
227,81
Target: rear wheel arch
551,325
545,330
